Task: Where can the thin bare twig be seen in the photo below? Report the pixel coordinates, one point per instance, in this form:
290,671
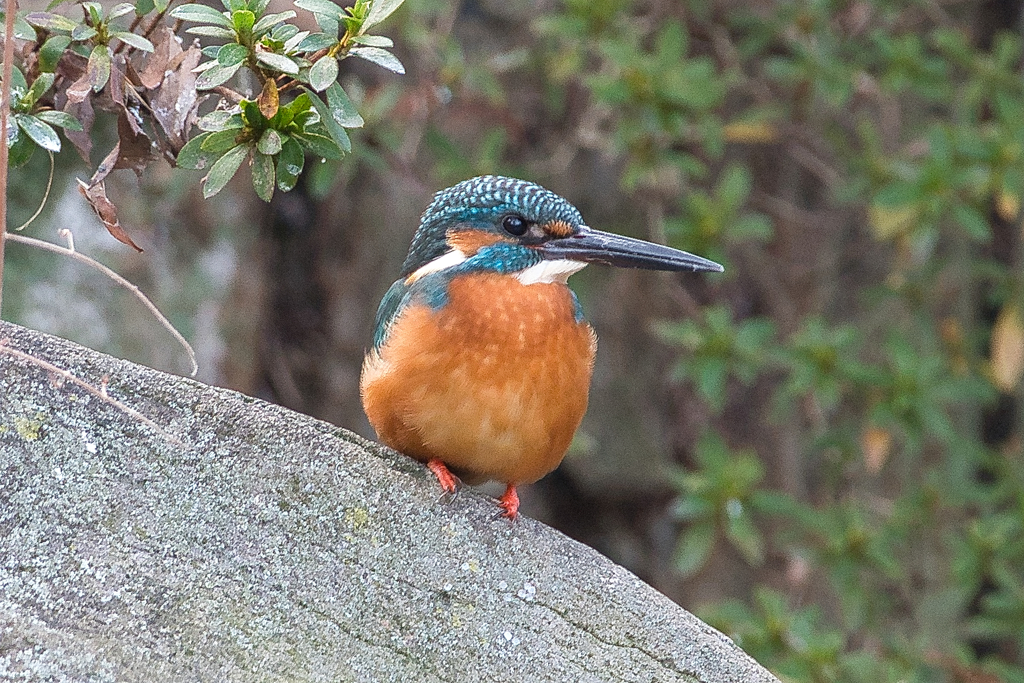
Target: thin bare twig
5,112
70,251
46,196
100,393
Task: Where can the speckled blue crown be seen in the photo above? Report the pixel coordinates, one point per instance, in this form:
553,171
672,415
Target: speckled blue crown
477,203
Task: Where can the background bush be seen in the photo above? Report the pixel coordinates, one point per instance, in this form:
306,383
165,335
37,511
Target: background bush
820,451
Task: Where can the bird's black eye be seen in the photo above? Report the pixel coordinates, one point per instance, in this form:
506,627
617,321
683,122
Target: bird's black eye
514,224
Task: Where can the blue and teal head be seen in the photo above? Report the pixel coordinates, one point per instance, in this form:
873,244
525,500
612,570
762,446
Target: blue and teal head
513,227
509,225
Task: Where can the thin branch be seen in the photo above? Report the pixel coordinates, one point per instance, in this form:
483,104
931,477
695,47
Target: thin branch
5,111
70,251
100,393
46,196
230,95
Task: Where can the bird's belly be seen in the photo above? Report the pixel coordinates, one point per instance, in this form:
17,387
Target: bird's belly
494,384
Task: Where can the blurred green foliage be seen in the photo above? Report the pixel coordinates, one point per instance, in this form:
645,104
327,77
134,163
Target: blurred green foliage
858,167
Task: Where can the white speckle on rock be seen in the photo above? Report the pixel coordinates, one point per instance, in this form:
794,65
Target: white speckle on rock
528,592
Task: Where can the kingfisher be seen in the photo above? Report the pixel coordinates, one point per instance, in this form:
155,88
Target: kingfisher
481,359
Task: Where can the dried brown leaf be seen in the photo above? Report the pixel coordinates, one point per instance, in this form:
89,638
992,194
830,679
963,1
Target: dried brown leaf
96,195
135,149
108,164
875,444
1007,349
70,69
269,101
165,48
174,105
80,89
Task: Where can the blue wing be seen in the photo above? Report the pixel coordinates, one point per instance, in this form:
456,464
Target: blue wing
387,312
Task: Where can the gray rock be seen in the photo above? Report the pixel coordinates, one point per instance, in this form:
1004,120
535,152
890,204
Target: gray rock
240,541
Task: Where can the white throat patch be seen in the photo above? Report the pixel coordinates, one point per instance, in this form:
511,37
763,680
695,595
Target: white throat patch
556,270
446,260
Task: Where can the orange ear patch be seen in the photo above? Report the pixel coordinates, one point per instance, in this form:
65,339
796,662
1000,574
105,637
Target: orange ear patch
471,241
558,229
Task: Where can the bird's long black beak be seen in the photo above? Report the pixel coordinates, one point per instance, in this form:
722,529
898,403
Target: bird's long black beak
593,246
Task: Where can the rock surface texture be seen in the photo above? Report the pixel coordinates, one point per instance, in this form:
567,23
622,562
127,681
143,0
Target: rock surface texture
239,541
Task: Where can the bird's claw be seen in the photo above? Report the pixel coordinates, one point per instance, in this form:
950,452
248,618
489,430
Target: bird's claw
448,481
509,503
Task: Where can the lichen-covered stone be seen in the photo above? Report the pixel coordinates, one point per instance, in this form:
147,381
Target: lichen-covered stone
248,543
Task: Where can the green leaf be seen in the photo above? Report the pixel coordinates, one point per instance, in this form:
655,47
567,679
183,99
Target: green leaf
22,29
21,150
161,5
263,176
257,7
278,62
289,165
325,7
379,11
120,9
243,21
319,145
193,156
41,134
323,72
342,109
224,169
374,41
220,120
212,32
379,56
328,24
316,41
98,67
18,80
269,143
232,54
216,75
694,548
972,221
144,7
219,142
59,118
43,82
135,40
51,51
83,32
288,35
95,11
252,115
270,20
745,537
51,22
331,123
201,14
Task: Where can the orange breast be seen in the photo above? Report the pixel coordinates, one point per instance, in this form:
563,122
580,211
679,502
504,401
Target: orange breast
494,384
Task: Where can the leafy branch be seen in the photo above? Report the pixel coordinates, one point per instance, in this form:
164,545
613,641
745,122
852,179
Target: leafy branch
276,92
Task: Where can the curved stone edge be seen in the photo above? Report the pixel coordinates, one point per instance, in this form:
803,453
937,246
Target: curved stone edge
248,542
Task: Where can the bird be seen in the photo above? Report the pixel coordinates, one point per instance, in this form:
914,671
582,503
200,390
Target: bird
481,359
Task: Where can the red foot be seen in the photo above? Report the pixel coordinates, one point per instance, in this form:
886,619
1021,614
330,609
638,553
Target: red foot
445,478
509,502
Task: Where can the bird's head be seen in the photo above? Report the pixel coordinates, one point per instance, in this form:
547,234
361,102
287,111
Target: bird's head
518,227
